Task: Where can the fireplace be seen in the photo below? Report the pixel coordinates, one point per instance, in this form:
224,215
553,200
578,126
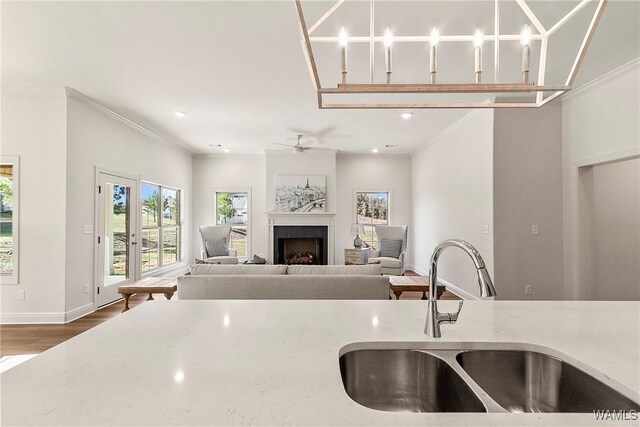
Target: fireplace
300,244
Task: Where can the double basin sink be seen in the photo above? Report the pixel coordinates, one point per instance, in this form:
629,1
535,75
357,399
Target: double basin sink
476,378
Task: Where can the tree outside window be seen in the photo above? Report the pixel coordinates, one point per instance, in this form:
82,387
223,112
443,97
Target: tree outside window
233,208
6,219
372,208
161,231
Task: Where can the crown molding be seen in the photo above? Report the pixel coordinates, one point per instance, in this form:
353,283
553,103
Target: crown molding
372,155
603,79
315,151
84,99
226,155
6,90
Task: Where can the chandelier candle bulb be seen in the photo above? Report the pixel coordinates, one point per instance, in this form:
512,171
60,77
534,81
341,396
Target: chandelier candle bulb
434,39
525,41
344,41
526,54
388,41
478,38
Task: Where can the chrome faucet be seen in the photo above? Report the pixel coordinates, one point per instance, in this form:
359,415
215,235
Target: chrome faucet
434,317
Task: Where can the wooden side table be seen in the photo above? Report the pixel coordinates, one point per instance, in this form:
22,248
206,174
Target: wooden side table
356,256
141,288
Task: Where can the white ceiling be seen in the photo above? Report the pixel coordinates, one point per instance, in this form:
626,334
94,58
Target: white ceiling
238,71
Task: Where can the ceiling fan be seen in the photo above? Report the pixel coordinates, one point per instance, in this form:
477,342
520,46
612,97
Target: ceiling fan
298,147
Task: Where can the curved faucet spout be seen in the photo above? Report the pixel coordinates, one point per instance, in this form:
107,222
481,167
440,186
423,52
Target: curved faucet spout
434,317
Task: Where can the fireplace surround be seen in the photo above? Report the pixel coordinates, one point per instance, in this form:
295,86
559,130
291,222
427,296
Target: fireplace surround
318,226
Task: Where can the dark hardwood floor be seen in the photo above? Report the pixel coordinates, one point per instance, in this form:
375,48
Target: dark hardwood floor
33,339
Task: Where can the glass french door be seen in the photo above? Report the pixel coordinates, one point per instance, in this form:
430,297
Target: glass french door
117,240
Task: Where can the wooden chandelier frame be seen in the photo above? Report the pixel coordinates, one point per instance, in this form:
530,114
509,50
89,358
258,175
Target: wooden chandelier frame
539,89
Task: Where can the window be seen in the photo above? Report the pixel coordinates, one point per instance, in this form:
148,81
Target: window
233,208
372,208
161,230
9,219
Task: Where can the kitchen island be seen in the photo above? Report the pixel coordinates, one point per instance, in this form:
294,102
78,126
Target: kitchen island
276,362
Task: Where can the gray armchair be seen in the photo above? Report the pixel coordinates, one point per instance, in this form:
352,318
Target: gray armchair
390,265
213,233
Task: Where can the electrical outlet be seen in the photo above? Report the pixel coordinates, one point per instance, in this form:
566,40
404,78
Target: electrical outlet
87,229
86,288
20,295
528,290
485,229
534,229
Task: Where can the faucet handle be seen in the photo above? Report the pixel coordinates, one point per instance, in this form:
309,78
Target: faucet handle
453,317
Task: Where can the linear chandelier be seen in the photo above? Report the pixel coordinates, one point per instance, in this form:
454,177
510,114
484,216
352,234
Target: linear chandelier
436,41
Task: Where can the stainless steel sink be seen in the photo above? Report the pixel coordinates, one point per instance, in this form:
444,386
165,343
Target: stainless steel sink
527,381
476,377
405,380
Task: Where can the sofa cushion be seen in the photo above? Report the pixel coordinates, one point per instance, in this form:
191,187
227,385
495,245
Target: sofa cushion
386,262
369,270
208,269
390,248
216,247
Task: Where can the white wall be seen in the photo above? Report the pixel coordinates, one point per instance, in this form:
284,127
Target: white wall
527,191
230,172
97,140
34,128
453,198
371,173
600,123
610,223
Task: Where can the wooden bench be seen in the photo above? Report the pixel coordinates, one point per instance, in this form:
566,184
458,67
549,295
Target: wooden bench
146,288
400,284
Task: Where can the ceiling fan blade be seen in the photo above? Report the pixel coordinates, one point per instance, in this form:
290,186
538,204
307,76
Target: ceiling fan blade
307,142
286,145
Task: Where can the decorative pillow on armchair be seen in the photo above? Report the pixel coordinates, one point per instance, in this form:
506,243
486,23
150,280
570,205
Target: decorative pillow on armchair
390,248
216,247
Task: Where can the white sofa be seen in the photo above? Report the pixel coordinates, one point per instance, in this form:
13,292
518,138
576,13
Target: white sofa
282,282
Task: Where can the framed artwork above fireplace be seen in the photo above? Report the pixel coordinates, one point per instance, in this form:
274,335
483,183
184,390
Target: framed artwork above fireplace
301,193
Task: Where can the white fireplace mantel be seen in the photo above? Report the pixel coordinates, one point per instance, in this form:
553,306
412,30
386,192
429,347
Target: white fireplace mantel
310,219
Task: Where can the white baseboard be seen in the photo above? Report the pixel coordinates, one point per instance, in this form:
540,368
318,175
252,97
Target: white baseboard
46,318
79,312
22,318
459,292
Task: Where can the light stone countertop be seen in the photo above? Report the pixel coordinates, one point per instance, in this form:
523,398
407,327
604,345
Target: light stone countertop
276,362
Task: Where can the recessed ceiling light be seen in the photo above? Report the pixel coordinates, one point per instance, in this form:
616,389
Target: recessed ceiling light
375,150
406,115
226,150
180,114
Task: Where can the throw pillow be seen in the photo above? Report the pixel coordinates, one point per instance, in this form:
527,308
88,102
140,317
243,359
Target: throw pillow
390,248
216,247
